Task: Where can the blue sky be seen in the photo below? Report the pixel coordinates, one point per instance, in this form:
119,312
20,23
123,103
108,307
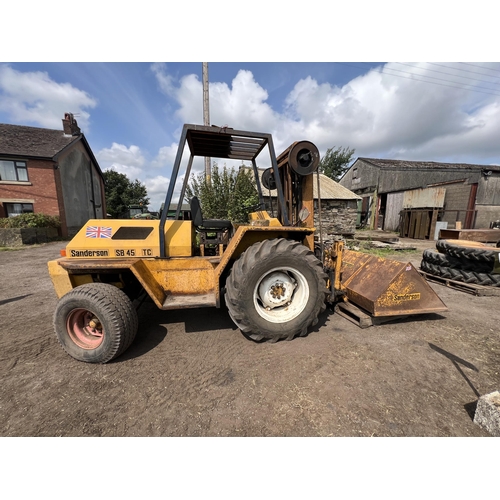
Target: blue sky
132,112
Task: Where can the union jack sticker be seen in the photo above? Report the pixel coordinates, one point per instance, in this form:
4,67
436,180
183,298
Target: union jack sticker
98,232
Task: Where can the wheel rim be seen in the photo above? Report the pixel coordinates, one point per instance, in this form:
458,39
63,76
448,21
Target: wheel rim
281,294
85,329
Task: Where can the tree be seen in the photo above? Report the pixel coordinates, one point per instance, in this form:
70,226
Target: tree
121,192
229,194
336,162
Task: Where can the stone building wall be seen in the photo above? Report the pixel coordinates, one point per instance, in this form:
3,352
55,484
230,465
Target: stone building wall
338,217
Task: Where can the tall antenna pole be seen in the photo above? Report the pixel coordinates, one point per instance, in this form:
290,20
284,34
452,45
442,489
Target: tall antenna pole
206,115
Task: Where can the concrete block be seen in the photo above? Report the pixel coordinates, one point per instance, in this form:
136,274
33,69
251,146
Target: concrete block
16,237
487,413
52,233
29,235
41,235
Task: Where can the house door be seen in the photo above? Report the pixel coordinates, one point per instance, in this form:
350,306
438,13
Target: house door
381,208
365,211
471,206
392,211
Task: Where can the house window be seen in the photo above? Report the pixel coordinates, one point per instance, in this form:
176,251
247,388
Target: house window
355,173
14,209
13,170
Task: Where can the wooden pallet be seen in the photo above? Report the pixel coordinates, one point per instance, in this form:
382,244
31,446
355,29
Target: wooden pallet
361,318
353,314
482,235
478,290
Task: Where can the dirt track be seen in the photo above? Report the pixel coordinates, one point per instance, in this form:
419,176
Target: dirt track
192,373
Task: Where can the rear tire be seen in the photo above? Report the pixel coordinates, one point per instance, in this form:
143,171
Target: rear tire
276,290
445,260
461,275
95,322
472,250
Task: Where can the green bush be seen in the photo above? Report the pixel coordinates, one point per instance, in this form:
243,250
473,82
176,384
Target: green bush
30,220
229,194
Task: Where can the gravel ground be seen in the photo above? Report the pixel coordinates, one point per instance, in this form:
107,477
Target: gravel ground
192,373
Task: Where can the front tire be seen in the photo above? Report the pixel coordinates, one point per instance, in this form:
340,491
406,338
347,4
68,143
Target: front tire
276,290
95,322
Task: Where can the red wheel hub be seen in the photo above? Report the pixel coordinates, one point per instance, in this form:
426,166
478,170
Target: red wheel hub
85,329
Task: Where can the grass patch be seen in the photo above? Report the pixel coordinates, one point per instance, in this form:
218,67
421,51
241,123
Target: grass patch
8,249
365,246
386,252
24,247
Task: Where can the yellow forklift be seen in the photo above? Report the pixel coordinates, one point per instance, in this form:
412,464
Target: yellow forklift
273,283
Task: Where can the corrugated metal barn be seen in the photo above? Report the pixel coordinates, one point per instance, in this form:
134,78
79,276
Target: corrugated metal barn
413,196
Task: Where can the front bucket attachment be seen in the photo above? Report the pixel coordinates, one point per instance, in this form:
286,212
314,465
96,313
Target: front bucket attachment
385,287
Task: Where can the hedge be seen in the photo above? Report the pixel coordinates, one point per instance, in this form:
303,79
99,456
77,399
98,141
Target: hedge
30,220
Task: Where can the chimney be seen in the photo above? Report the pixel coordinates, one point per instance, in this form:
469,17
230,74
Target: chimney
70,126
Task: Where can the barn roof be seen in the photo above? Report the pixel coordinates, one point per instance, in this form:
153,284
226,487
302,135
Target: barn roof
423,165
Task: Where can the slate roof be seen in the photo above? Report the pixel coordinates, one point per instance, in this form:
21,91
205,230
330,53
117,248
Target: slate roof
18,140
330,190
423,165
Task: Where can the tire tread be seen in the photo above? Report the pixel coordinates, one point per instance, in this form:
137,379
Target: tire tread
114,305
461,275
243,267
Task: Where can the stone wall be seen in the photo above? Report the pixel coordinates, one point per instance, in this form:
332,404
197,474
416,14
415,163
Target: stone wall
27,236
338,217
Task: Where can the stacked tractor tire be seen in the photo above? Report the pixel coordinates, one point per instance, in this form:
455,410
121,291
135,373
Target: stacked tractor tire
464,261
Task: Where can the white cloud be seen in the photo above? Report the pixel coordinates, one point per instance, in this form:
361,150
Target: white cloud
190,99
241,105
34,98
378,114
165,81
129,161
132,162
120,154
388,112
132,173
157,189
157,185
165,157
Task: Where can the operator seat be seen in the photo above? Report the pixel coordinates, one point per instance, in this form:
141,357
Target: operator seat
214,233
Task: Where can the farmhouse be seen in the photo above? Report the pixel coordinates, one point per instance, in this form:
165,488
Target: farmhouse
53,172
